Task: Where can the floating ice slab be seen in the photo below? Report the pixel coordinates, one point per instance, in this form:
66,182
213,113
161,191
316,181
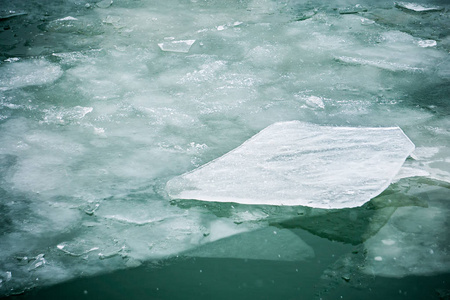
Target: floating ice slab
297,163
182,46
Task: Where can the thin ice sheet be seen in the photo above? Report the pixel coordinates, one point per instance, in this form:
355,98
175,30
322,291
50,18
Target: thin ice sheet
297,163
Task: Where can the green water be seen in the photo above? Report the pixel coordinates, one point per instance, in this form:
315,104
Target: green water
227,278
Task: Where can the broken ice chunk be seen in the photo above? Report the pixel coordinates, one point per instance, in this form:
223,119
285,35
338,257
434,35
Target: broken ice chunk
12,59
181,46
315,102
39,261
297,163
104,3
365,21
68,18
427,43
416,7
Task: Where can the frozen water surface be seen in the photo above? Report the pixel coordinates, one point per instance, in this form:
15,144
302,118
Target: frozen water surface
96,118
295,163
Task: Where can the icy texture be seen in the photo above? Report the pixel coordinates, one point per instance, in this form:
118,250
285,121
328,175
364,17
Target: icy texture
95,118
27,73
296,163
181,46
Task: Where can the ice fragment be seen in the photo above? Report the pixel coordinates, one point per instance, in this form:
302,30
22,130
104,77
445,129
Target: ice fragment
416,7
181,46
315,102
388,242
12,59
104,3
68,18
427,43
365,21
39,261
297,163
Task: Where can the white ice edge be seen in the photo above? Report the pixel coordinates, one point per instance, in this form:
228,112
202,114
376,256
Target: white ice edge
416,7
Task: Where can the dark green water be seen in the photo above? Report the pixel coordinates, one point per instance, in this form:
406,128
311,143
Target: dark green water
216,278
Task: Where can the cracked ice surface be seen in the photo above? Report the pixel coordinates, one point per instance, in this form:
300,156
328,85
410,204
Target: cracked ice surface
297,163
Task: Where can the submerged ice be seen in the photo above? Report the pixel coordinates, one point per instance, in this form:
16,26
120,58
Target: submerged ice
296,163
96,118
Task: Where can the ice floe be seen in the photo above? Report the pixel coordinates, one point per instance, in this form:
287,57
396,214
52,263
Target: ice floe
297,163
